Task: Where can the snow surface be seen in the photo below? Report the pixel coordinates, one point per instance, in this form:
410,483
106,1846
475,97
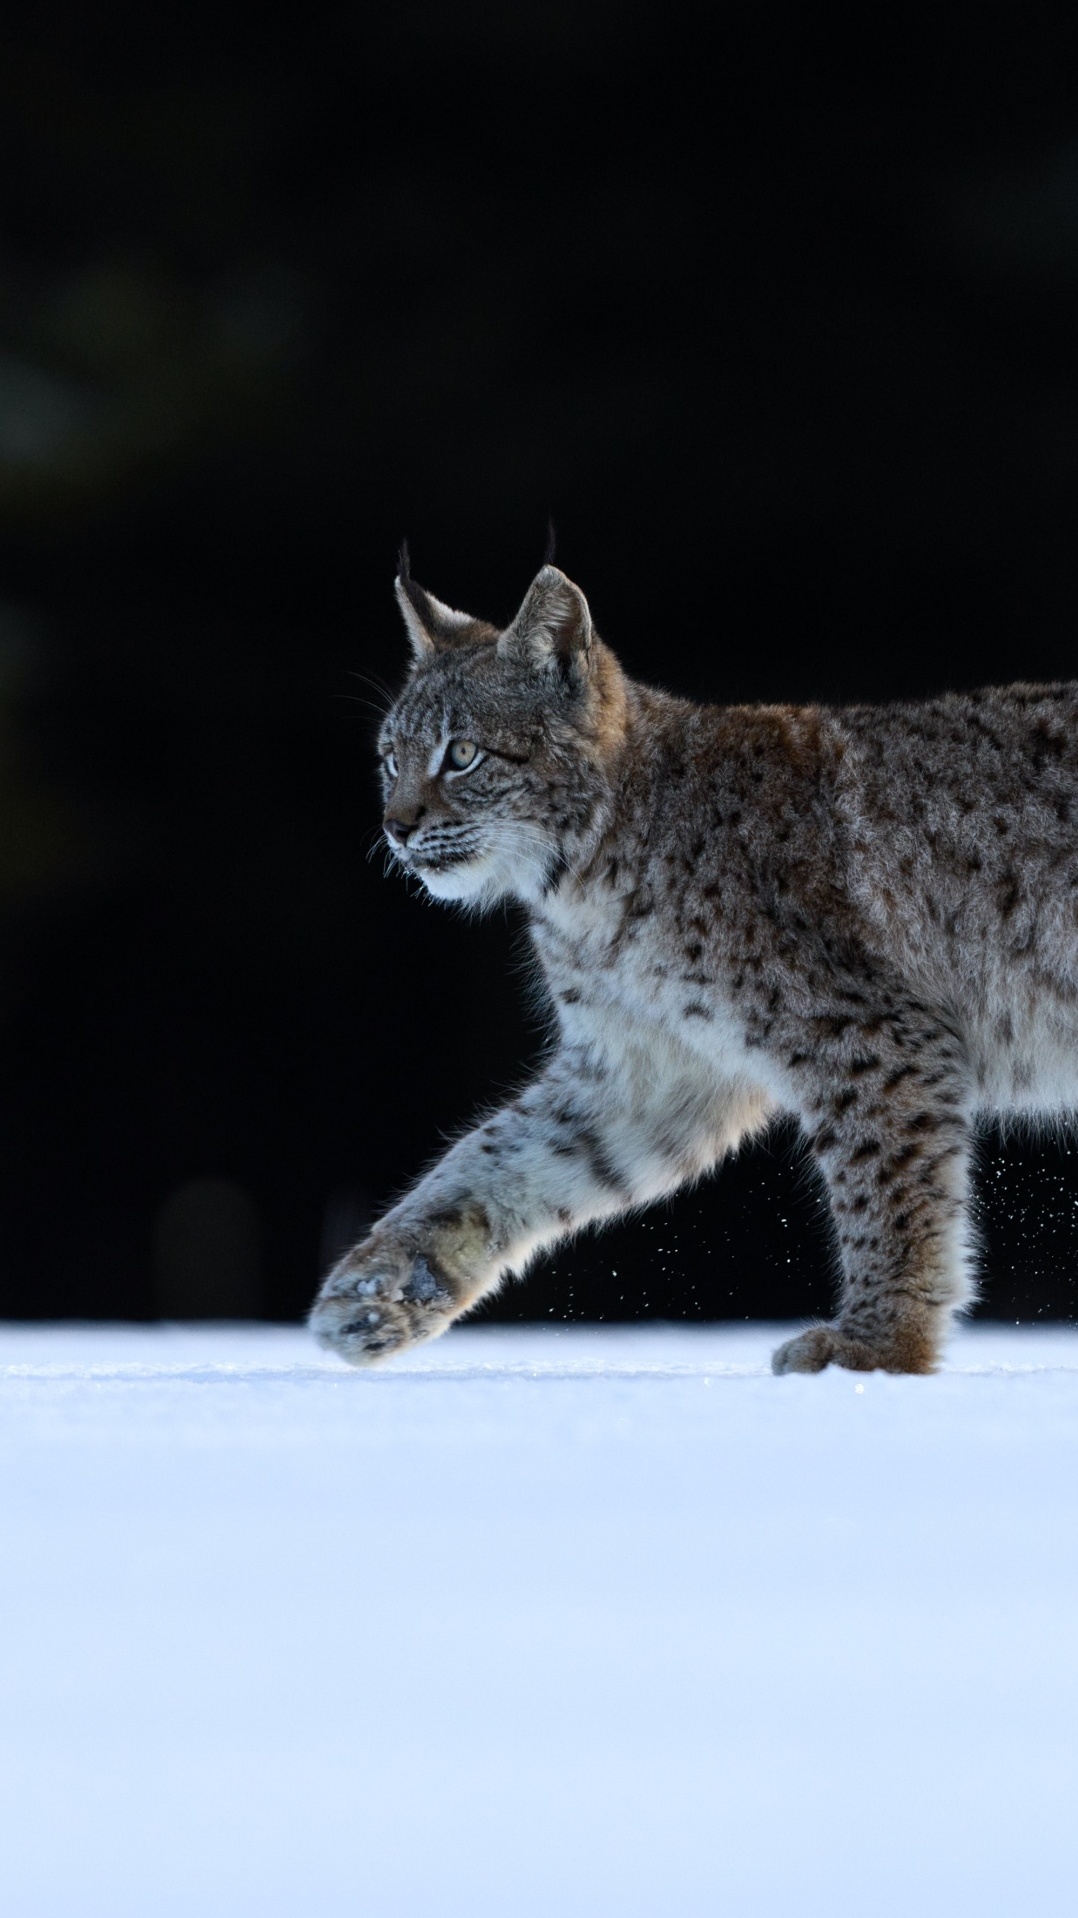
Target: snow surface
558,1622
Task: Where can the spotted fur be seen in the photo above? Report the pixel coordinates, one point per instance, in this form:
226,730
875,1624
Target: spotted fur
866,917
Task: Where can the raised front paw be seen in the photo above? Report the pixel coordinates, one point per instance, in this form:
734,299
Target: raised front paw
381,1298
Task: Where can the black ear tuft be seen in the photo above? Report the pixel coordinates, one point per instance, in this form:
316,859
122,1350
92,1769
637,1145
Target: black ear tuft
551,543
430,624
404,561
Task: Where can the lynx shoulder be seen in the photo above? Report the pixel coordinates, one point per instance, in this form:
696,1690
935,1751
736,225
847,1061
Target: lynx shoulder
864,917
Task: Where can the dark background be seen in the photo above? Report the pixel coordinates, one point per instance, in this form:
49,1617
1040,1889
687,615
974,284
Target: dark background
777,322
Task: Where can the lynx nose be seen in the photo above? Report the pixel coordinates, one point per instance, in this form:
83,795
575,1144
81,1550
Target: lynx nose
398,829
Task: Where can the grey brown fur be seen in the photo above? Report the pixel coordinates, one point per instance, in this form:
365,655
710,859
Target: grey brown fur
866,917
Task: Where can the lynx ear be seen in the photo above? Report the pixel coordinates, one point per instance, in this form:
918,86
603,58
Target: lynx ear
430,624
552,628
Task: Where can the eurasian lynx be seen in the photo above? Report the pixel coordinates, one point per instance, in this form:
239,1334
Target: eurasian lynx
867,917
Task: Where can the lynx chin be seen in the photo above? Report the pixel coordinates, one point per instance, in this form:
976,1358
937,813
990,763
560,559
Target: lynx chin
866,917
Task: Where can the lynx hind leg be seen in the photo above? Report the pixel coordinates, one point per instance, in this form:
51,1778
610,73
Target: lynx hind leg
893,1141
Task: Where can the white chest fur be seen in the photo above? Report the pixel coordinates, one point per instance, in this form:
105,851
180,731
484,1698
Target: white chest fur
608,971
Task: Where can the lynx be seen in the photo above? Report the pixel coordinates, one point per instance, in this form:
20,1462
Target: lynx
867,917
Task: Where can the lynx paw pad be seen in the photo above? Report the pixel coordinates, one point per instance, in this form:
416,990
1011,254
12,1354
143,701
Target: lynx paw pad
366,1312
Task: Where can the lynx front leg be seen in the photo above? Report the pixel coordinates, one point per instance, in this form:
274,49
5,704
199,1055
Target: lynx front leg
892,1133
585,1142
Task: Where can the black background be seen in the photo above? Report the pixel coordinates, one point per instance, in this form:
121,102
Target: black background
777,319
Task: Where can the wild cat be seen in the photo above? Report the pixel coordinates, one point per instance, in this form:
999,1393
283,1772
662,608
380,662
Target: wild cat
867,917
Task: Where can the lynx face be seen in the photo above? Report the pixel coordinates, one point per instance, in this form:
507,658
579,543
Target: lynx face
488,758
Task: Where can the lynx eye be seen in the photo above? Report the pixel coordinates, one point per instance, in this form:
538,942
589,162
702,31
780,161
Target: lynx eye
389,760
460,754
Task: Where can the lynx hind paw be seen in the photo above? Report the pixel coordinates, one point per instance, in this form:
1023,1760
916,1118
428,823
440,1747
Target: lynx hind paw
810,1351
367,1311
907,1348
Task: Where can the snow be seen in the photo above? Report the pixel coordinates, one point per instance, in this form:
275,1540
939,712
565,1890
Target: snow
536,1623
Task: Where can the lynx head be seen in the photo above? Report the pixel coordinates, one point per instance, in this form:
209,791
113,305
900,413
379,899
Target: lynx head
498,755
